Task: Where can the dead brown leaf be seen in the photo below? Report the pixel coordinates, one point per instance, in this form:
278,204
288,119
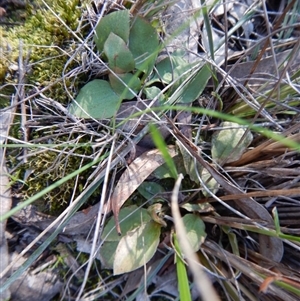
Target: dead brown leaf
132,178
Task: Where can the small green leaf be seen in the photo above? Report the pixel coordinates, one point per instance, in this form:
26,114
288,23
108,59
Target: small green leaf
152,92
130,217
227,144
144,44
200,208
97,100
116,22
163,172
212,184
120,59
195,229
136,248
149,189
163,71
170,68
189,163
131,81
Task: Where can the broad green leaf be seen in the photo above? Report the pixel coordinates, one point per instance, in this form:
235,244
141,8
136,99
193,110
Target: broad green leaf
131,81
136,248
96,99
178,72
194,88
227,144
164,71
116,22
120,59
130,217
149,189
144,44
195,229
107,254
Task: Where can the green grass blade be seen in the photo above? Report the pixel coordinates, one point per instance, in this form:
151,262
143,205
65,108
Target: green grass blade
183,282
223,116
276,220
162,146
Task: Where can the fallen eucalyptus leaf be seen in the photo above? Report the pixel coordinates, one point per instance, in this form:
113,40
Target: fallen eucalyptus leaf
134,175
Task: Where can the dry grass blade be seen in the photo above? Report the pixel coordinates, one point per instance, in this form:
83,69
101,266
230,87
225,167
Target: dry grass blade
200,278
266,193
253,271
269,246
5,198
266,150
